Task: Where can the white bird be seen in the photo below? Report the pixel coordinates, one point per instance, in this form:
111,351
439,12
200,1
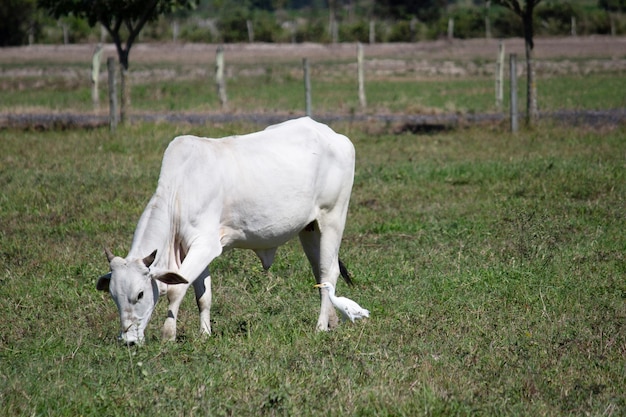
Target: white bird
349,309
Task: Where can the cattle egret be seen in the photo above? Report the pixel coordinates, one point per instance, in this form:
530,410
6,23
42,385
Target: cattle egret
254,191
349,309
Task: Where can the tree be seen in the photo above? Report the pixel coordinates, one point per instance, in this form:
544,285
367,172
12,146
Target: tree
424,10
613,7
123,19
524,9
16,16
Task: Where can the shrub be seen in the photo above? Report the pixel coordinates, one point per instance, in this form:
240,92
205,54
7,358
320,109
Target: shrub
468,23
266,29
354,32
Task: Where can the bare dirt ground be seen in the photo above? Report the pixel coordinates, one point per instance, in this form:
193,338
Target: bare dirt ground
545,48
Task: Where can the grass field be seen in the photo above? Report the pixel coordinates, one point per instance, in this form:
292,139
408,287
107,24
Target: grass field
493,264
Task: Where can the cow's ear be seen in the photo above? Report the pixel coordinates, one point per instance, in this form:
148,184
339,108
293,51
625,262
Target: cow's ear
103,282
148,260
171,278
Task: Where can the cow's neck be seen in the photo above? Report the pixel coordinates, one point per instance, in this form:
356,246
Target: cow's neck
155,231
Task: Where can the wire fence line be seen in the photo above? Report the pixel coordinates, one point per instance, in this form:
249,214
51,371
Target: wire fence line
375,65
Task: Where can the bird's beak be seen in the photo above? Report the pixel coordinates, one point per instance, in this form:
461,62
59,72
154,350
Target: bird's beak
317,286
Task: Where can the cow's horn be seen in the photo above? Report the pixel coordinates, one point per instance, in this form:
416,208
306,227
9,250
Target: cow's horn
148,260
109,254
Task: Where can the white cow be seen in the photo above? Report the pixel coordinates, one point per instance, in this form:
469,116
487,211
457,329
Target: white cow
255,191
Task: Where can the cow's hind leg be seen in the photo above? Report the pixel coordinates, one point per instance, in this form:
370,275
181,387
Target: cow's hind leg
321,251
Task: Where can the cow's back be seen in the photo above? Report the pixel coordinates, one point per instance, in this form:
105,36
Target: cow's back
261,186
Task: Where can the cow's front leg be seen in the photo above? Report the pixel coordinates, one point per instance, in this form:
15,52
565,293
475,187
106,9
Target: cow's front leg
175,295
202,288
328,316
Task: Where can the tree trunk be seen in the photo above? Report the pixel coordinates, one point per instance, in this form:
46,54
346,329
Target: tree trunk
531,86
332,21
124,87
487,19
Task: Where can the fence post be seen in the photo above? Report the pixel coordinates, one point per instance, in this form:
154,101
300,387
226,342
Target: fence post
95,76
334,30
112,94
219,76
372,32
250,28
175,30
307,87
513,79
450,28
360,75
66,32
500,76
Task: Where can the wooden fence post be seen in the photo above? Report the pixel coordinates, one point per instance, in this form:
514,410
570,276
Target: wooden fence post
219,77
307,87
500,76
250,28
450,28
360,75
513,79
112,94
95,76
175,30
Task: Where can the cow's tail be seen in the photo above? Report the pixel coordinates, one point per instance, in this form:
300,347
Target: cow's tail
345,274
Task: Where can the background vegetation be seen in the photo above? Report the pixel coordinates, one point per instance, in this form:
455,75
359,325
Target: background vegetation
300,21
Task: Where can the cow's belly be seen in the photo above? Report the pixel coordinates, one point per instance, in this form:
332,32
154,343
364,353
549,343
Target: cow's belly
265,221
258,238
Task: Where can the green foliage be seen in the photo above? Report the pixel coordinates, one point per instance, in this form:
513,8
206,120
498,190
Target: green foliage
314,30
492,263
468,23
354,32
269,19
112,13
613,5
17,17
266,28
232,25
123,19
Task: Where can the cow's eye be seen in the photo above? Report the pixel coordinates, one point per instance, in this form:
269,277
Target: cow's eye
140,296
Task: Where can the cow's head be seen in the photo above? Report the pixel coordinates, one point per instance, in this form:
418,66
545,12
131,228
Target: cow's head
135,290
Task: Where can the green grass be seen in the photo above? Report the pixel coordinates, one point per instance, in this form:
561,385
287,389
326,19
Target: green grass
493,266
